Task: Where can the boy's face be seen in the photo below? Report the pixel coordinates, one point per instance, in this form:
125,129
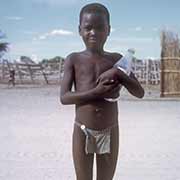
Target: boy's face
94,29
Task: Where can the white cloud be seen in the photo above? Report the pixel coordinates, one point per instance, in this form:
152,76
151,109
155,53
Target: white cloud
42,37
34,57
60,32
137,29
55,32
14,18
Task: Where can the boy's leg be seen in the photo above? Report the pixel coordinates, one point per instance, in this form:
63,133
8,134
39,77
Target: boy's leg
106,163
13,82
83,162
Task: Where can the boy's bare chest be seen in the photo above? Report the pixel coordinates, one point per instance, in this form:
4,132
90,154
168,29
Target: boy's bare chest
90,69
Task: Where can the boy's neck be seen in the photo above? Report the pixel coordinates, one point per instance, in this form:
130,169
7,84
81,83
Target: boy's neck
94,51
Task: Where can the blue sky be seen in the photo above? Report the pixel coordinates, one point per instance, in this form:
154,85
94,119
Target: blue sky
47,28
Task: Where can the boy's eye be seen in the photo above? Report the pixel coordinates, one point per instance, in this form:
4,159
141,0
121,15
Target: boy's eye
100,28
88,28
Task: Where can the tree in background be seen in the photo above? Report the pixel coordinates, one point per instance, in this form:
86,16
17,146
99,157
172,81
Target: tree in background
53,63
3,45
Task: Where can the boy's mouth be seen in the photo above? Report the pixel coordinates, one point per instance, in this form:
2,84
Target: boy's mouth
93,39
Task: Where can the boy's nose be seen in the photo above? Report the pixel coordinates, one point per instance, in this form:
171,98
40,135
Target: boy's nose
93,32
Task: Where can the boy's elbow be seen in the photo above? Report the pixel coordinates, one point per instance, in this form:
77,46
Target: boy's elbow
63,100
141,93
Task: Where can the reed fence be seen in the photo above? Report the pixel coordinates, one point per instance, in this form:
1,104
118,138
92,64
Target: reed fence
26,72
147,71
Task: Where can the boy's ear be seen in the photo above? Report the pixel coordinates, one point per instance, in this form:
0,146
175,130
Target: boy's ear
79,29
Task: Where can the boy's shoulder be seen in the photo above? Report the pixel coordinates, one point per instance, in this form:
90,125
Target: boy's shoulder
74,56
114,55
71,58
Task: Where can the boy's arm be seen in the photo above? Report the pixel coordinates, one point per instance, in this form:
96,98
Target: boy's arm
130,82
69,97
133,86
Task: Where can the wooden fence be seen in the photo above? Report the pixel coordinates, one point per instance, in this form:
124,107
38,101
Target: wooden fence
30,70
26,72
147,72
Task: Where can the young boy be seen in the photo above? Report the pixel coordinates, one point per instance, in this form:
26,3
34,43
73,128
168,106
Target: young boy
94,78
11,77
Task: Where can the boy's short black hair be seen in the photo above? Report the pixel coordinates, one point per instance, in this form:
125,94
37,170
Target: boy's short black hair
95,8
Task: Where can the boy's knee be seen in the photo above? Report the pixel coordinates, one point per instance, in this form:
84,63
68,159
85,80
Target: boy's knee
103,177
84,177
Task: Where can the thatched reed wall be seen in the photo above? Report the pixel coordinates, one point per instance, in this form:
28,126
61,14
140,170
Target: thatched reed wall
170,64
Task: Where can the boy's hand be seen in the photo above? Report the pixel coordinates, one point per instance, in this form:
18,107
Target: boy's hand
114,93
105,87
108,77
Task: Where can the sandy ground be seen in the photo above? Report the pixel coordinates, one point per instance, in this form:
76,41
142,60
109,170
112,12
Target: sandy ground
35,136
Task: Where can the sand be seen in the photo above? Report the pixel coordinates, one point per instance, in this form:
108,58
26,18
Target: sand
36,130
